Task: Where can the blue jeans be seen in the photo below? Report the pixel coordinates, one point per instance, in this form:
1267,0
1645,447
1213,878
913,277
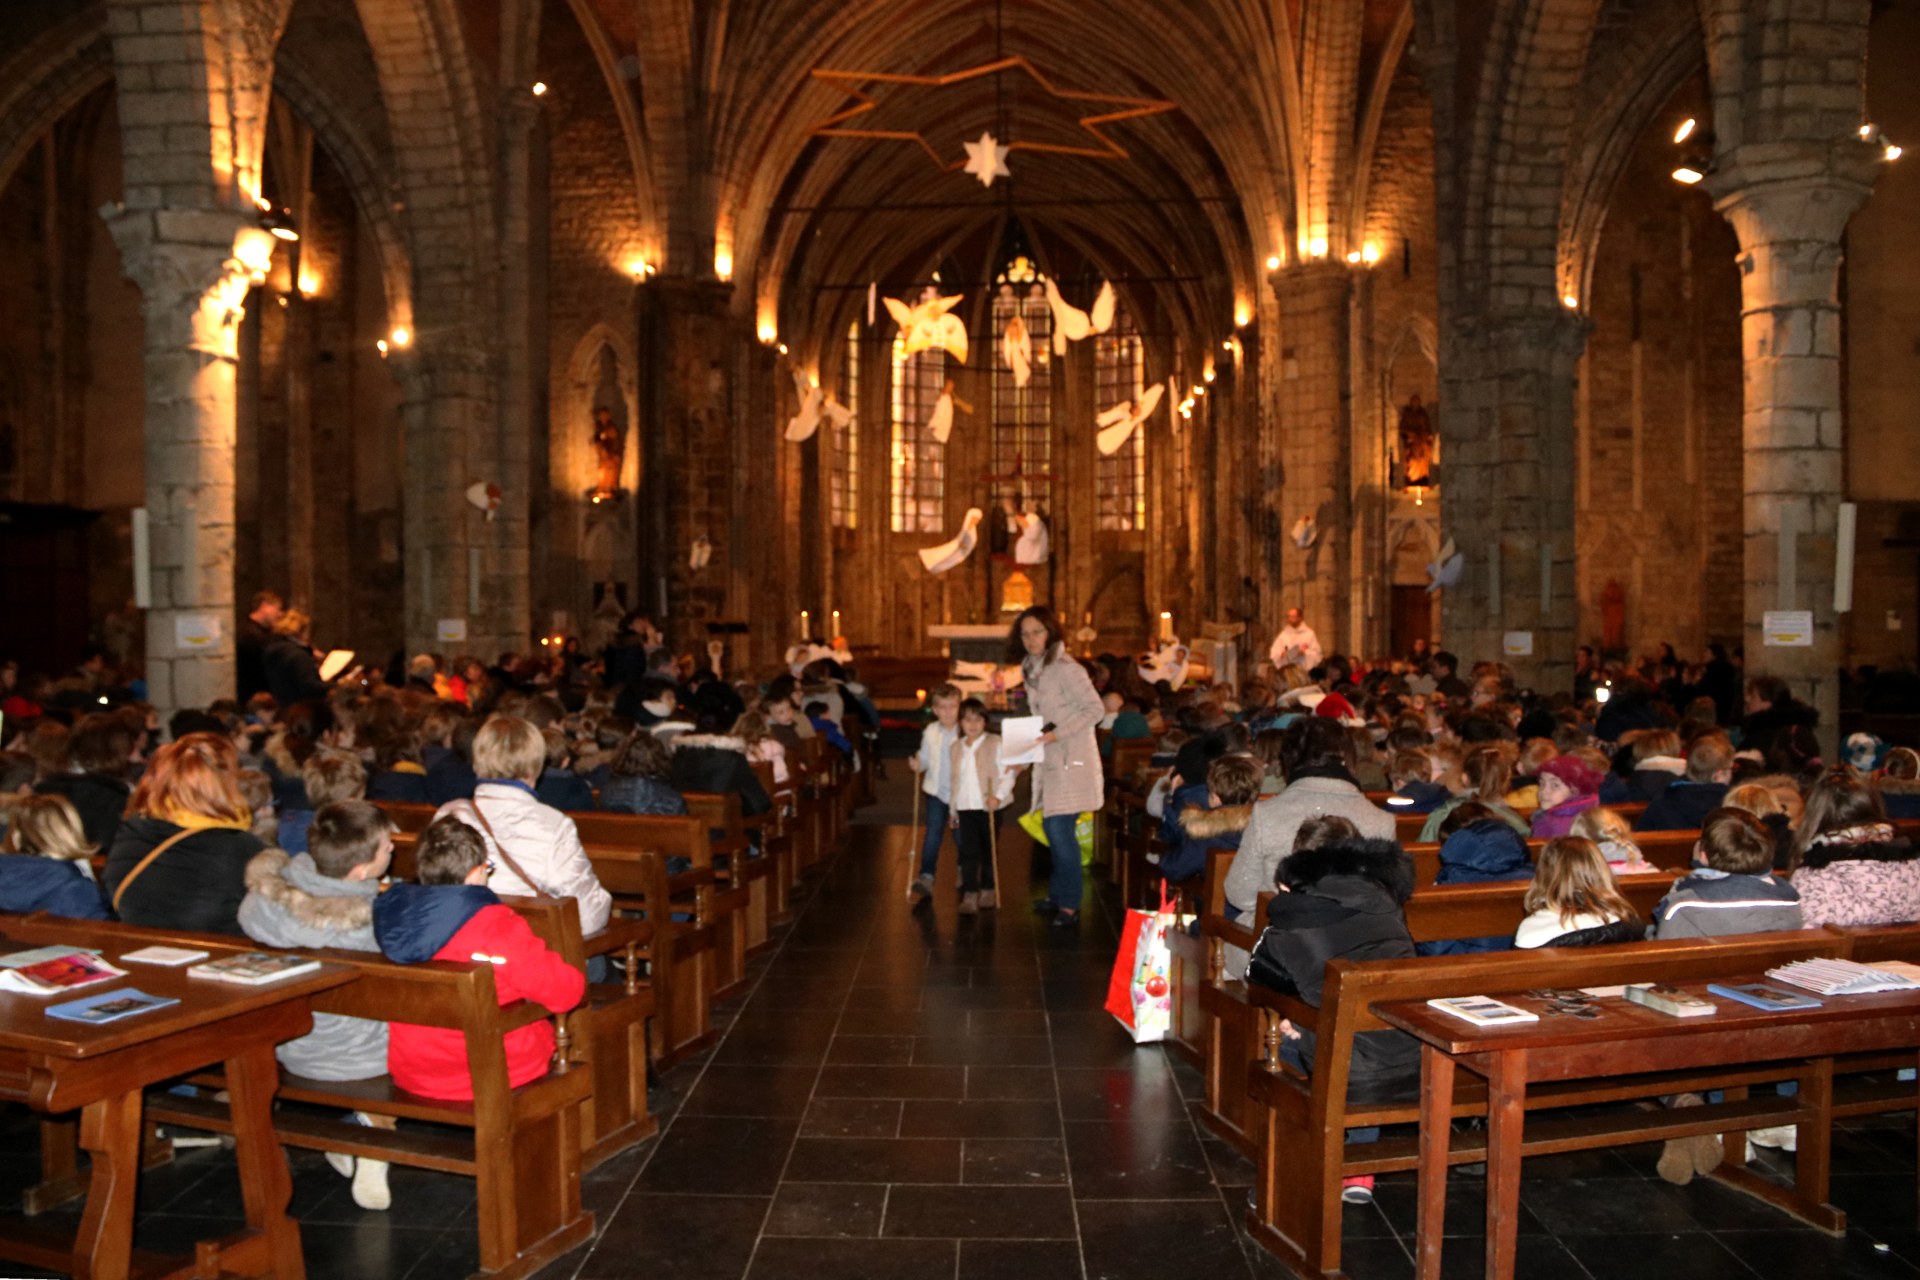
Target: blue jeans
935,833
1291,1055
1064,843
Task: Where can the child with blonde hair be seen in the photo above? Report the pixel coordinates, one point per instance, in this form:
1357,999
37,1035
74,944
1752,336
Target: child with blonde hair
1573,901
44,863
1613,835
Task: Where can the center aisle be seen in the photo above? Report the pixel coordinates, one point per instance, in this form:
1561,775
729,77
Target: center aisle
919,1094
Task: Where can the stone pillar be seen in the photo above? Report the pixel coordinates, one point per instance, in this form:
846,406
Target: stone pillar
193,269
1506,486
687,408
448,410
1789,205
1311,406
511,603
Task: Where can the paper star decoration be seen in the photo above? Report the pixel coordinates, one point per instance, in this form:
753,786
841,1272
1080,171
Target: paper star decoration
987,160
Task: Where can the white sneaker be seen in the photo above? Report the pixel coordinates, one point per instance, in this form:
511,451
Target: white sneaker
1781,1138
370,1185
340,1164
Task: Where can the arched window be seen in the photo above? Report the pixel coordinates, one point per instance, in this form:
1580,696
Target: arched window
919,461
844,478
1119,373
1023,416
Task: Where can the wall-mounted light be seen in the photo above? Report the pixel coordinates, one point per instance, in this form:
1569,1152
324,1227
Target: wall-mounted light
309,284
639,268
1867,131
1370,253
781,347
1686,129
381,347
1687,174
767,333
1893,152
1317,247
402,336
1273,262
1242,315
723,263
539,88
1353,258
1571,301
279,223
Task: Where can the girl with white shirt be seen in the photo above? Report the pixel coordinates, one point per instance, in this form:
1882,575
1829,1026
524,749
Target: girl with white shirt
981,788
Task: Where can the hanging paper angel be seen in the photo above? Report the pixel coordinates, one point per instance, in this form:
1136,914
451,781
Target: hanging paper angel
1016,349
1446,568
702,553
838,414
940,422
951,554
486,496
1070,323
927,324
1119,422
806,419
1305,532
1104,304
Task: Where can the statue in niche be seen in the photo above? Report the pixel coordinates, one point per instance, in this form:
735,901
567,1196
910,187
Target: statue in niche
609,448
1416,444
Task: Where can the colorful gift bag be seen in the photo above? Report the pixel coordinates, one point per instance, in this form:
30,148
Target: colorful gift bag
1140,993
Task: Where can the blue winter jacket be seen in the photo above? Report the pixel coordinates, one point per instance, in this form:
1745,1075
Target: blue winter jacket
1477,853
411,922
29,882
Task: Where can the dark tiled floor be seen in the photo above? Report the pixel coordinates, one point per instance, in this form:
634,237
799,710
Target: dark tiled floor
906,1095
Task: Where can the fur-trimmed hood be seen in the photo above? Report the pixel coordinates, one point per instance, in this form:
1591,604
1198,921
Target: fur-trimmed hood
1208,824
1895,849
1337,871
294,886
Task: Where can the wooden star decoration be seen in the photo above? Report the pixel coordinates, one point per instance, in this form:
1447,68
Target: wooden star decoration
1118,107
987,160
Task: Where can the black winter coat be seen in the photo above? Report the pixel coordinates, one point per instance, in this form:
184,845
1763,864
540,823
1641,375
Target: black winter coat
1346,903
707,763
196,885
292,674
97,799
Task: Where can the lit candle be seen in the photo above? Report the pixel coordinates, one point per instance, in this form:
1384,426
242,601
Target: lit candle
836,625
1166,625
804,616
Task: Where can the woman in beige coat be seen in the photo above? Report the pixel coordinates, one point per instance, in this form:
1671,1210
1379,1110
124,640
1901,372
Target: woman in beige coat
1069,781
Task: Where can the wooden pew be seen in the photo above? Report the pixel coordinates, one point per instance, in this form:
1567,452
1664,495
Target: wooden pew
1301,1151
522,1146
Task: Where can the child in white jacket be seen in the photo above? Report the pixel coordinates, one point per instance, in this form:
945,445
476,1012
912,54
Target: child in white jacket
933,764
981,788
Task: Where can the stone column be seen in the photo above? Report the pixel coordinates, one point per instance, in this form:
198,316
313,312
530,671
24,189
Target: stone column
1312,406
193,269
448,415
1789,204
511,603
1506,490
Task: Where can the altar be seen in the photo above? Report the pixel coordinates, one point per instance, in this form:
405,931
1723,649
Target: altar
972,642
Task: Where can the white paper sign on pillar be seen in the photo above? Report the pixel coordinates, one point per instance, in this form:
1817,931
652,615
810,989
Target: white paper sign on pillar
195,631
1517,644
1787,628
451,630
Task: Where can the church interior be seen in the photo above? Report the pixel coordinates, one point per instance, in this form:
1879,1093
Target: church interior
517,347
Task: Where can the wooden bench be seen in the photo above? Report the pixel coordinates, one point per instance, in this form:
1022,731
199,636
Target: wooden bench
522,1146
1301,1149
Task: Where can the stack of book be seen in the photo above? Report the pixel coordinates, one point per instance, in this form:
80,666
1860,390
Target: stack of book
1842,977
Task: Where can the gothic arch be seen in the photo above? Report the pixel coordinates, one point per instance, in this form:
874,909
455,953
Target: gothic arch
584,372
47,78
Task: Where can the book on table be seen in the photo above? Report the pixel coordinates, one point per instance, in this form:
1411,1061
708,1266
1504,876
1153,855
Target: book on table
1483,1011
1669,1000
165,955
21,959
1842,977
252,968
109,1006
1760,996
59,973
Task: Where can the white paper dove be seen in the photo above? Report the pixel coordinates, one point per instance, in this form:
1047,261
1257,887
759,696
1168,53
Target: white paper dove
1446,568
806,420
1101,318
1119,422
1070,323
1016,348
1305,532
949,554
485,496
927,324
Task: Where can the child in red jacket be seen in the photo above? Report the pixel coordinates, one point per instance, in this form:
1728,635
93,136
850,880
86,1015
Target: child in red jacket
451,915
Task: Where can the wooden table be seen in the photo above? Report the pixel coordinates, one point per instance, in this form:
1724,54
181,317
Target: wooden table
1627,1039
57,1066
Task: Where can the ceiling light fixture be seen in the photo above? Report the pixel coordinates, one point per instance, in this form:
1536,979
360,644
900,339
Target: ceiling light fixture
1686,129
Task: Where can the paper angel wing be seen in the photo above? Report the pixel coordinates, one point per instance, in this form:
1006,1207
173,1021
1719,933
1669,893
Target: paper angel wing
1101,318
1120,421
950,554
1149,401
838,414
1305,532
806,420
902,313
1446,568
1070,323
951,332
1119,413
941,422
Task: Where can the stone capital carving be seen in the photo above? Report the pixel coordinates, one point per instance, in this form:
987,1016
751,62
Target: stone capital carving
1778,192
1316,280
193,268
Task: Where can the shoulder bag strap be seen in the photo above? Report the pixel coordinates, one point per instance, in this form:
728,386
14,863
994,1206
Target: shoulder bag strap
146,862
499,847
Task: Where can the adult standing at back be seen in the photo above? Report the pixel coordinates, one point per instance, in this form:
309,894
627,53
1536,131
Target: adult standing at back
293,674
1296,643
1069,781
250,645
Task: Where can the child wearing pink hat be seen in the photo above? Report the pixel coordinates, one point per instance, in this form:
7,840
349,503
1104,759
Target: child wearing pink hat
1569,786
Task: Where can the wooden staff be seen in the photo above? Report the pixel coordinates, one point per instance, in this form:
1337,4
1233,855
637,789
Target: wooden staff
913,848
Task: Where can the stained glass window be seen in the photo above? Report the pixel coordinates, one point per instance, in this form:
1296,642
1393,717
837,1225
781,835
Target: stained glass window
1120,479
844,476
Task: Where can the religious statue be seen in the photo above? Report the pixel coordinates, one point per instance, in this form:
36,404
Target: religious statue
1416,444
608,448
1032,542
1613,617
